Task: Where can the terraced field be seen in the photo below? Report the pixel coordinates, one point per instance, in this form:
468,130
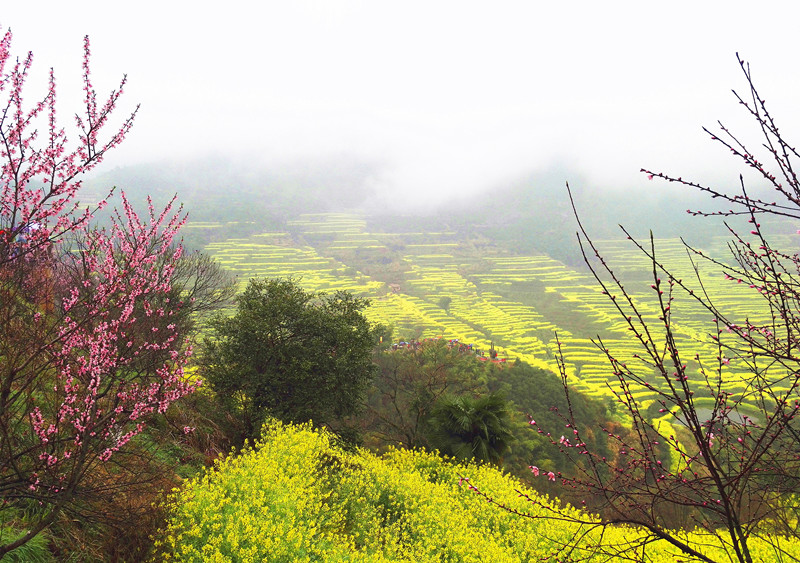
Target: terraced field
266,255
517,303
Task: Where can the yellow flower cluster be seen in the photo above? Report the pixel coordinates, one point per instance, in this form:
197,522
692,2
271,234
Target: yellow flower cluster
298,497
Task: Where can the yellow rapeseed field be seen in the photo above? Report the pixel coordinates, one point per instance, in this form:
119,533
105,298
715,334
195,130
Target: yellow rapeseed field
296,496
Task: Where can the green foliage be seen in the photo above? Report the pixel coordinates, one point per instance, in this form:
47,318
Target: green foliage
539,394
413,382
408,385
290,353
472,428
444,302
34,551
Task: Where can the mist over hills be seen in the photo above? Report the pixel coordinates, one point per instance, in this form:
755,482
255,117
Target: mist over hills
219,188
531,214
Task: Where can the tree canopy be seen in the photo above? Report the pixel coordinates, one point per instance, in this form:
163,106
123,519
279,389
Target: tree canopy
408,385
291,354
472,428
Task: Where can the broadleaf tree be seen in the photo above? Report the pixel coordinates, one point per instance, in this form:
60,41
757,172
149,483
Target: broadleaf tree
409,383
292,354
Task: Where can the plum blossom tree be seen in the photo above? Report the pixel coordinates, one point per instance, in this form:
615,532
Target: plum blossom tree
713,437
88,348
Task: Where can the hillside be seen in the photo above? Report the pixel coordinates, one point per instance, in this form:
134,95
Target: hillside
297,496
518,302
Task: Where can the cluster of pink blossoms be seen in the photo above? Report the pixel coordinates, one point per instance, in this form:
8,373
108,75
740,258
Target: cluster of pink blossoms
94,371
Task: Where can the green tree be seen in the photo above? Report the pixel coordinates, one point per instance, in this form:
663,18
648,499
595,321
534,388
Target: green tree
539,394
292,354
472,428
408,385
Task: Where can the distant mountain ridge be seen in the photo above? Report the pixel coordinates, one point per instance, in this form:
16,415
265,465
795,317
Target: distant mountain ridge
530,214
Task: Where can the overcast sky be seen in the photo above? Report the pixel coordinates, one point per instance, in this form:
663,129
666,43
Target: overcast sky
448,95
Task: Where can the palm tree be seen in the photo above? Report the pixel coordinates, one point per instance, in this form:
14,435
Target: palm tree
472,428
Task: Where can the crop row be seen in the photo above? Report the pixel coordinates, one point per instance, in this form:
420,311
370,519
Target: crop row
249,259
518,303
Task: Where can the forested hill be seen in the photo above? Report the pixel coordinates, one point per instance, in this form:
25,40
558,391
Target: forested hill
224,189
534,214
530,214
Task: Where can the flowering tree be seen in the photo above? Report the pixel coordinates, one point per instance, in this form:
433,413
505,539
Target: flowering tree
712,445
87,346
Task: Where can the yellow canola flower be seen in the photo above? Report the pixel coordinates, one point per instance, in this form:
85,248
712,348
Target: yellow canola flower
296,497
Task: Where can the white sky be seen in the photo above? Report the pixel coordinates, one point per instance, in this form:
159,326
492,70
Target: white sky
450,95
